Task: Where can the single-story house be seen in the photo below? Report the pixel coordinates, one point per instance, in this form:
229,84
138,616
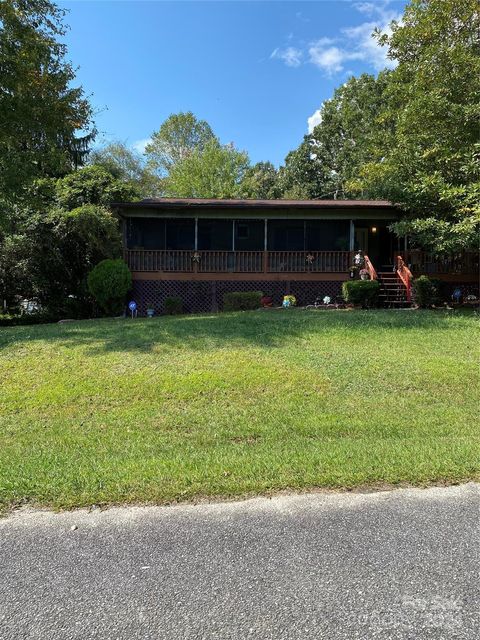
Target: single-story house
198,249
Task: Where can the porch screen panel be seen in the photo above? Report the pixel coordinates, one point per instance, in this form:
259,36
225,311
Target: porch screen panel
145,233
249,235
327,235
180,234
214,235
285,235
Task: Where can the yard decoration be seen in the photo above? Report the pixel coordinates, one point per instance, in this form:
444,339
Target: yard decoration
289,301
266,301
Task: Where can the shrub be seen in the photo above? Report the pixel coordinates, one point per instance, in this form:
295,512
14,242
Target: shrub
109,283
173,306
7,320
240,301
364,292
427,292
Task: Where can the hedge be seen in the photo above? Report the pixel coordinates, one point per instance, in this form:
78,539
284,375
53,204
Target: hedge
364,292
242,301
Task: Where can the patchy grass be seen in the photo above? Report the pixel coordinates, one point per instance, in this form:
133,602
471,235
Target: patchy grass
155,410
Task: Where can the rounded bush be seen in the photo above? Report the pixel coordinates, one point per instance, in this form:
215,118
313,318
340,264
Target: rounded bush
109,282
364,292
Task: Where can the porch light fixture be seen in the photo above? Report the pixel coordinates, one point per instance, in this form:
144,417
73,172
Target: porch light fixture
374,229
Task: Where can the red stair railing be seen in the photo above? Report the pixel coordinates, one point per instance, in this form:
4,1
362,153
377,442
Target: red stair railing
405,275
370,268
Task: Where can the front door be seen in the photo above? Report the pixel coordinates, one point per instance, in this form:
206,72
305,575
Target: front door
361,239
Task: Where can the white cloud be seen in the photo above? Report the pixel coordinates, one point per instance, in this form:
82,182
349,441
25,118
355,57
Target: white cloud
140,145
291,56
330,58
314,119
352,43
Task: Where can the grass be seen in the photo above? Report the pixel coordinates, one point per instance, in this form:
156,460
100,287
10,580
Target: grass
156,410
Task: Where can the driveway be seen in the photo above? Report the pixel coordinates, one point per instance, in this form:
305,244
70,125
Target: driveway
403,564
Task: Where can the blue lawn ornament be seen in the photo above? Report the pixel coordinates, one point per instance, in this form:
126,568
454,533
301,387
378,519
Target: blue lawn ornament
132,305
457,294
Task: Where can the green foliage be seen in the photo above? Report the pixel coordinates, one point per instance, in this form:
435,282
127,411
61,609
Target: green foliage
128,166
173,306
92,185
328,161
179,136
427,155
260,182
38,100
215,172
301,178
242,301
426,292
50,260
17,320
364,292
109,282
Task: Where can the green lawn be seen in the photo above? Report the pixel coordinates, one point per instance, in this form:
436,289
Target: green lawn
154,410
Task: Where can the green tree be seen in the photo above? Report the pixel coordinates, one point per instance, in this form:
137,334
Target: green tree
260,182
328,162
51,259
428,156
92,185
302,177
179,136
41,111
213,172
128,166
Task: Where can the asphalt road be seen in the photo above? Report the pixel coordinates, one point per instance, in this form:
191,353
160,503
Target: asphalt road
393,565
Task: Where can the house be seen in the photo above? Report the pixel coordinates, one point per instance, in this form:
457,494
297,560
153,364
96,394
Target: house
198,249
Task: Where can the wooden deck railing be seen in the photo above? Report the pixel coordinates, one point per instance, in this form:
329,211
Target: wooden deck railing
423,262
153,260
308,261
238,261
405,275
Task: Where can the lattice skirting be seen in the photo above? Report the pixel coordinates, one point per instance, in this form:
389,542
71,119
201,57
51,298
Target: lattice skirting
201,297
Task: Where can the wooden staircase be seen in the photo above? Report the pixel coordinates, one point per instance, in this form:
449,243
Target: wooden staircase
393,292
395,285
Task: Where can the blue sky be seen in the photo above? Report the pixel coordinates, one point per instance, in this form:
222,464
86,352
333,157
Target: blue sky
256,71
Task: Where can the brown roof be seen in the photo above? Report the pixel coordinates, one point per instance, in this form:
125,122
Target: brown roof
243,204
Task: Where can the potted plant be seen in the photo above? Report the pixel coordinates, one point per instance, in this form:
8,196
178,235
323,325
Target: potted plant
150,310
364,275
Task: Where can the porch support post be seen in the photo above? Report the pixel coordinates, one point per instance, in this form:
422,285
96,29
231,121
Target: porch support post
265,246
196,234
233,235
352,235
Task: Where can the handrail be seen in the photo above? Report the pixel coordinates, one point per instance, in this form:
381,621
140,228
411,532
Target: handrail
370,268
405,275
